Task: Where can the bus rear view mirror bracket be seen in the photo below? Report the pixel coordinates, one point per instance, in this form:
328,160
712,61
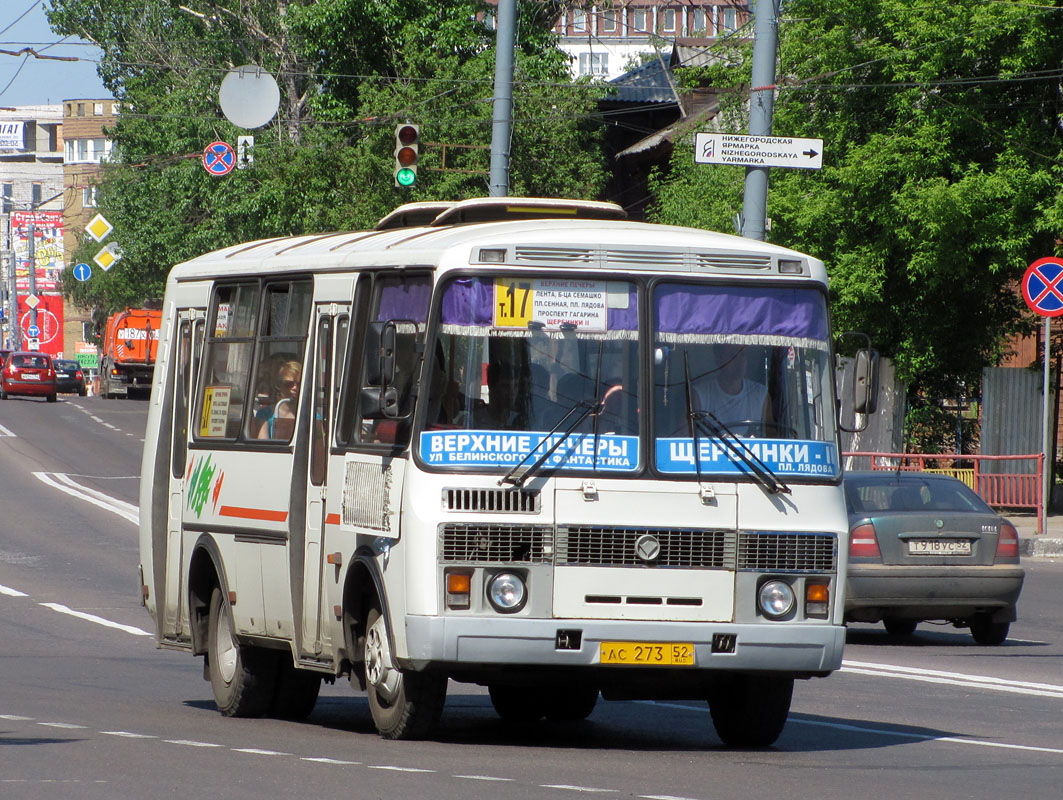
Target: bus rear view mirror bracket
864,389
380,351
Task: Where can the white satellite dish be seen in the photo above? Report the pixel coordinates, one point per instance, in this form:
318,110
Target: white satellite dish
249,96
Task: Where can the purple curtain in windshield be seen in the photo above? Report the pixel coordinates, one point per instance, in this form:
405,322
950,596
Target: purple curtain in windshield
470,301
752,310
404,300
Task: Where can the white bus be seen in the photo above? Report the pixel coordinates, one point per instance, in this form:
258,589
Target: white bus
486,442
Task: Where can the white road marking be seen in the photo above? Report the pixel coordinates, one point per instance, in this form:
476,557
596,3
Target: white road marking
323,760
5,432
569,788
257,752
190,743
953,678
129,735
11,592
922,737
98,620
16,718
397,769
65,484
484,778
69,725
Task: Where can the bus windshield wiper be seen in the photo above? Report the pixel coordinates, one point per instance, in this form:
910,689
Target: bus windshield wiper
711,425
519,480
588,408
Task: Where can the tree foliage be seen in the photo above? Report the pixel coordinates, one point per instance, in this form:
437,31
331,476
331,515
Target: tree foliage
348,72
941,129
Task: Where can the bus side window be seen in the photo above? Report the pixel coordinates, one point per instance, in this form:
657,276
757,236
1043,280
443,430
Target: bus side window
230,346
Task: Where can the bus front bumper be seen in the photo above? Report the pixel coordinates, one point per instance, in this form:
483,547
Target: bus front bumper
797,648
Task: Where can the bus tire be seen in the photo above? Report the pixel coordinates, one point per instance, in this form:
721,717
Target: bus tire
519,704
404,705
297,691
243,678
570,703
750,710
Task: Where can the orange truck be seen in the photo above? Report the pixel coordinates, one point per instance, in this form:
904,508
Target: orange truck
130,339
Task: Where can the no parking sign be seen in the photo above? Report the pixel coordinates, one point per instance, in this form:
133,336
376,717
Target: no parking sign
1041,286
219,158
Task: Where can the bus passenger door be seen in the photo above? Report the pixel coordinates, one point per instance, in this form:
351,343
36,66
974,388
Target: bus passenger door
189,343
324,359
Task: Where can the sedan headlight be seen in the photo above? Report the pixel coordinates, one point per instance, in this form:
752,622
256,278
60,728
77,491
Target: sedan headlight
507,592
776,599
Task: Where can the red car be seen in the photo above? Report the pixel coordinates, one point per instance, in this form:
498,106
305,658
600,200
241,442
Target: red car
28,374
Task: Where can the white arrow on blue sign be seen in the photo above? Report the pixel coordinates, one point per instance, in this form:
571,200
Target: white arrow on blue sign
82,272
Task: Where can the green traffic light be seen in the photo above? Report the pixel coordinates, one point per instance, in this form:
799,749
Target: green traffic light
405,177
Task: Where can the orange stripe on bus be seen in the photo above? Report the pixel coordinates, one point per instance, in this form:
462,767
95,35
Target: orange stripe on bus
253,513
332,519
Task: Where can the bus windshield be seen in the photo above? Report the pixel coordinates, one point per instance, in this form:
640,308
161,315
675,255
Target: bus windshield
518,362
521,365
751,363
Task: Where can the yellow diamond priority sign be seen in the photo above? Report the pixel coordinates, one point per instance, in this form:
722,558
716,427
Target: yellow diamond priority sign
108,256
98,228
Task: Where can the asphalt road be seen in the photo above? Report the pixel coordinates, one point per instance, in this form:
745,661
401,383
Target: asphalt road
89,708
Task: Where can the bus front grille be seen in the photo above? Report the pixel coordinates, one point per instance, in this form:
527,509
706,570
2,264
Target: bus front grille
766,551
515,501
690,548
495,543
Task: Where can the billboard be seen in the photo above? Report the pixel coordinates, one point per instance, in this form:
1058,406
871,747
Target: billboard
48,249
49,321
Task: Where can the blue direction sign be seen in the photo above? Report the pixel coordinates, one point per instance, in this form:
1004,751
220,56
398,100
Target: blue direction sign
1041,286
219,158
33,331
82,271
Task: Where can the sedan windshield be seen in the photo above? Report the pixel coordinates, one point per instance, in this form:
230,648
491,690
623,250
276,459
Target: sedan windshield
526,366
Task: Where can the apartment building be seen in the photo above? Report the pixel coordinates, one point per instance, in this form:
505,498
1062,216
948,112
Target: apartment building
613,37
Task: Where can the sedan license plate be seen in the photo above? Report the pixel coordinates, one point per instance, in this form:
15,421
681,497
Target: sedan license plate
939,547
650,654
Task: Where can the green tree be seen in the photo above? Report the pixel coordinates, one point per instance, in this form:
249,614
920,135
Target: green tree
348,71
940,181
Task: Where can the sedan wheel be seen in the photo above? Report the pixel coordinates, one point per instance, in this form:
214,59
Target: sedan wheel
987,632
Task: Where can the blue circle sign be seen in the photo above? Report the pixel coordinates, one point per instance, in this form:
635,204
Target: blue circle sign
33,331
1041,287
82,271
219,158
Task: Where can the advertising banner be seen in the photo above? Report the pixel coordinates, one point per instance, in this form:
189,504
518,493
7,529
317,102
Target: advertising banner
12,135
48,249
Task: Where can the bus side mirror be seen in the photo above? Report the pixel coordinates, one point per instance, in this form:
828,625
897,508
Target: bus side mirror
380,353
865,382
379,402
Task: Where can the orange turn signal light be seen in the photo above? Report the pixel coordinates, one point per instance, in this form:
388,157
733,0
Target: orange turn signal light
458,583
817,593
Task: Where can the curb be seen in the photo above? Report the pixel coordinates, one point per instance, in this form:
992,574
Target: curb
1041,546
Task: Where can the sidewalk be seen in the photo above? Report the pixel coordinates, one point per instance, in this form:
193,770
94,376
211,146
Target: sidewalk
1048,544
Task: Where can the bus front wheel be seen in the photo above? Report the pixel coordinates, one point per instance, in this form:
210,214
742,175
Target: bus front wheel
243,678
404,705
750,710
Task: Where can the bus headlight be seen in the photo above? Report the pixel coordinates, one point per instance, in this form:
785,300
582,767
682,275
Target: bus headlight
776,599
507,592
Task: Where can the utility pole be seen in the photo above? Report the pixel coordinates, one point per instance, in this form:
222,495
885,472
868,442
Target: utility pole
502,116
33,272
761,108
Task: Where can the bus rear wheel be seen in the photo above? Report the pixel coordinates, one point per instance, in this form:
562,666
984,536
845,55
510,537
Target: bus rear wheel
404,704
243,678
297,691
750,710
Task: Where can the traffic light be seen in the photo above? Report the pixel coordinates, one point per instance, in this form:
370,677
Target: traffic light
407,145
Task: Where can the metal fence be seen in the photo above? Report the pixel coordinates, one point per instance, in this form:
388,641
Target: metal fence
998,486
